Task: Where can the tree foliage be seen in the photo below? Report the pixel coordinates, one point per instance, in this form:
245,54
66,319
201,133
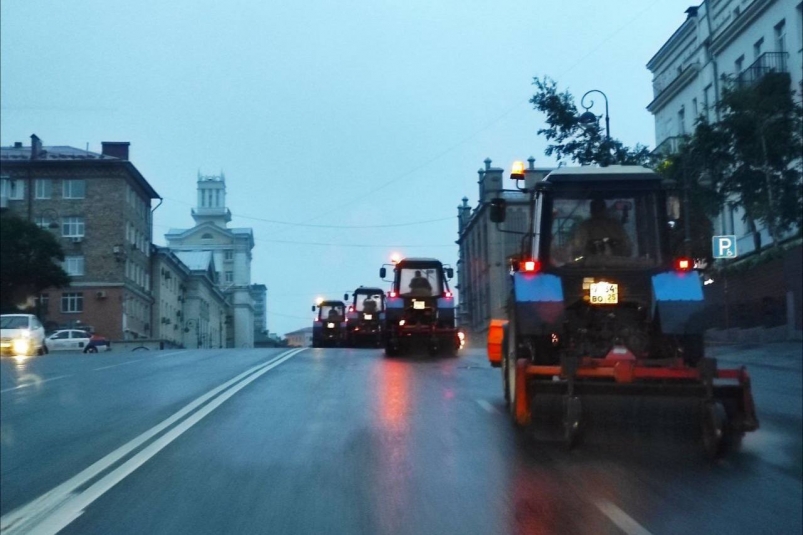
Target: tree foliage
29,261
581,143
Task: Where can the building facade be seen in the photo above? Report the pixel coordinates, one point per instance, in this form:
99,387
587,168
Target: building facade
741,39
230,249
206,310
300,338
169,277
99,207
483,267
259,295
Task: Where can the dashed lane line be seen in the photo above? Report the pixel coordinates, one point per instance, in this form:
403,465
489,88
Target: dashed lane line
622,520
33,382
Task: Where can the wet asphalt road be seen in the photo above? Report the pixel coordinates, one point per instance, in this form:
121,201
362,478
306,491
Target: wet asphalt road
347,441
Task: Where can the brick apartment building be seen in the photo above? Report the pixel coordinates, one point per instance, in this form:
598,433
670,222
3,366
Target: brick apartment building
99,207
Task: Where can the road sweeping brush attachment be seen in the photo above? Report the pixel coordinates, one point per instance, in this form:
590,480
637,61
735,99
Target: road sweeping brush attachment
723,396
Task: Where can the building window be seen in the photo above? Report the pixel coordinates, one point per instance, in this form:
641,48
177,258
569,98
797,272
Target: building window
74,189
74,265
44,302
206,236
757,46
72,227
44,188
229,276
682,121
738,65
16,189
694,108
708,101
780,36
72,302
44,222
229,255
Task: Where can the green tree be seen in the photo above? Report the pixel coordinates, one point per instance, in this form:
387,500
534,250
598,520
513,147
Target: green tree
29,261
761,127
581,143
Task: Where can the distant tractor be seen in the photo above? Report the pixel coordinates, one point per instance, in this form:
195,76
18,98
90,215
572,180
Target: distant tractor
365,316
599,306
329,326
420,308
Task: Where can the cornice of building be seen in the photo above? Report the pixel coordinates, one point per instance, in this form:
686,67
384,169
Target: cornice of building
669,49
683,79
736,27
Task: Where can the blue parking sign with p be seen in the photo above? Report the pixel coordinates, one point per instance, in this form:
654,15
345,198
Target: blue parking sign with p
724,246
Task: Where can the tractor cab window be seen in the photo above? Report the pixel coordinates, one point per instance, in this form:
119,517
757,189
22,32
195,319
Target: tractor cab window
370,303
331,312
604,230
419,282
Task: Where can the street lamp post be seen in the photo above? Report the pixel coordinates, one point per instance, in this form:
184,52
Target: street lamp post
589,117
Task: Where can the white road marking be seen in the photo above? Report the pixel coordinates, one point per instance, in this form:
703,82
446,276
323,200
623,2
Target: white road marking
137,360
55,509
621,519
487,406
33,383
115,365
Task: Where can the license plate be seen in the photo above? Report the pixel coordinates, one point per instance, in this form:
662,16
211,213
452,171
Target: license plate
604,293
419,305
330,325
368,317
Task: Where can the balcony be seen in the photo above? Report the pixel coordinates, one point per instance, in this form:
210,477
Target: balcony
767,63
670,145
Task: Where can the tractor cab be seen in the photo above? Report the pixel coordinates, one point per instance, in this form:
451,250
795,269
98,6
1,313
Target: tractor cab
329,326
365,315
420,306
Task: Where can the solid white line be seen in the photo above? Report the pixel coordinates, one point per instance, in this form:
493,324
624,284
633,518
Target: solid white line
49,501
74,507
487,406
115,365
621,519
35,382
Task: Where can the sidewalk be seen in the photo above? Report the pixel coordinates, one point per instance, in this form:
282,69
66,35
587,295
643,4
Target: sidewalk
779,354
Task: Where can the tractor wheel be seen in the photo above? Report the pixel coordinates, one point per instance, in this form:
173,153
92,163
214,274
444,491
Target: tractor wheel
715,423
572,421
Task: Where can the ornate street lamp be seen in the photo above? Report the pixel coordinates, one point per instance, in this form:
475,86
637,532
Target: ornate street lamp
588,117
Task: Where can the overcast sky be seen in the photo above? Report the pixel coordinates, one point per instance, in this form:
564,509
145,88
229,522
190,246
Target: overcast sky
321,113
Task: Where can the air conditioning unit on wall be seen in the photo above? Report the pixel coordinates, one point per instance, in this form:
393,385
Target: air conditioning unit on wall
100,294
77,239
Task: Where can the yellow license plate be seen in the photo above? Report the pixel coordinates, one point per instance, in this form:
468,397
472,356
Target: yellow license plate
604,293
419,305
369,317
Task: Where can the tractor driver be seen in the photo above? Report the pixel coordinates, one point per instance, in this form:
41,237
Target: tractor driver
334,315
419,285
369,306
601,234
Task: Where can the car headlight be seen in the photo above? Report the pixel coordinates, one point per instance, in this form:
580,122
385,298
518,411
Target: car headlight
21,345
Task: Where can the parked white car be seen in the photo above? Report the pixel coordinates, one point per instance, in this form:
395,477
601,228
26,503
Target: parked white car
71,340
21,334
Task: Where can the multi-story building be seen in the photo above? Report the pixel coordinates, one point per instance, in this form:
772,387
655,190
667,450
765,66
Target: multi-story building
483,267
741,39
259,294
206,311
99,206
230,249
169,277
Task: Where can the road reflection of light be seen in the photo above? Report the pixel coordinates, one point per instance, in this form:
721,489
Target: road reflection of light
394,395
392,465
20,360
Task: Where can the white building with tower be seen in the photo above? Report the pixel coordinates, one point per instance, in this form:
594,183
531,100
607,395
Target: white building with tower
231,251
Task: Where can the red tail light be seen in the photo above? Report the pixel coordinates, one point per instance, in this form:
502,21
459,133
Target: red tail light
684,264
447,294
393,294
531,266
